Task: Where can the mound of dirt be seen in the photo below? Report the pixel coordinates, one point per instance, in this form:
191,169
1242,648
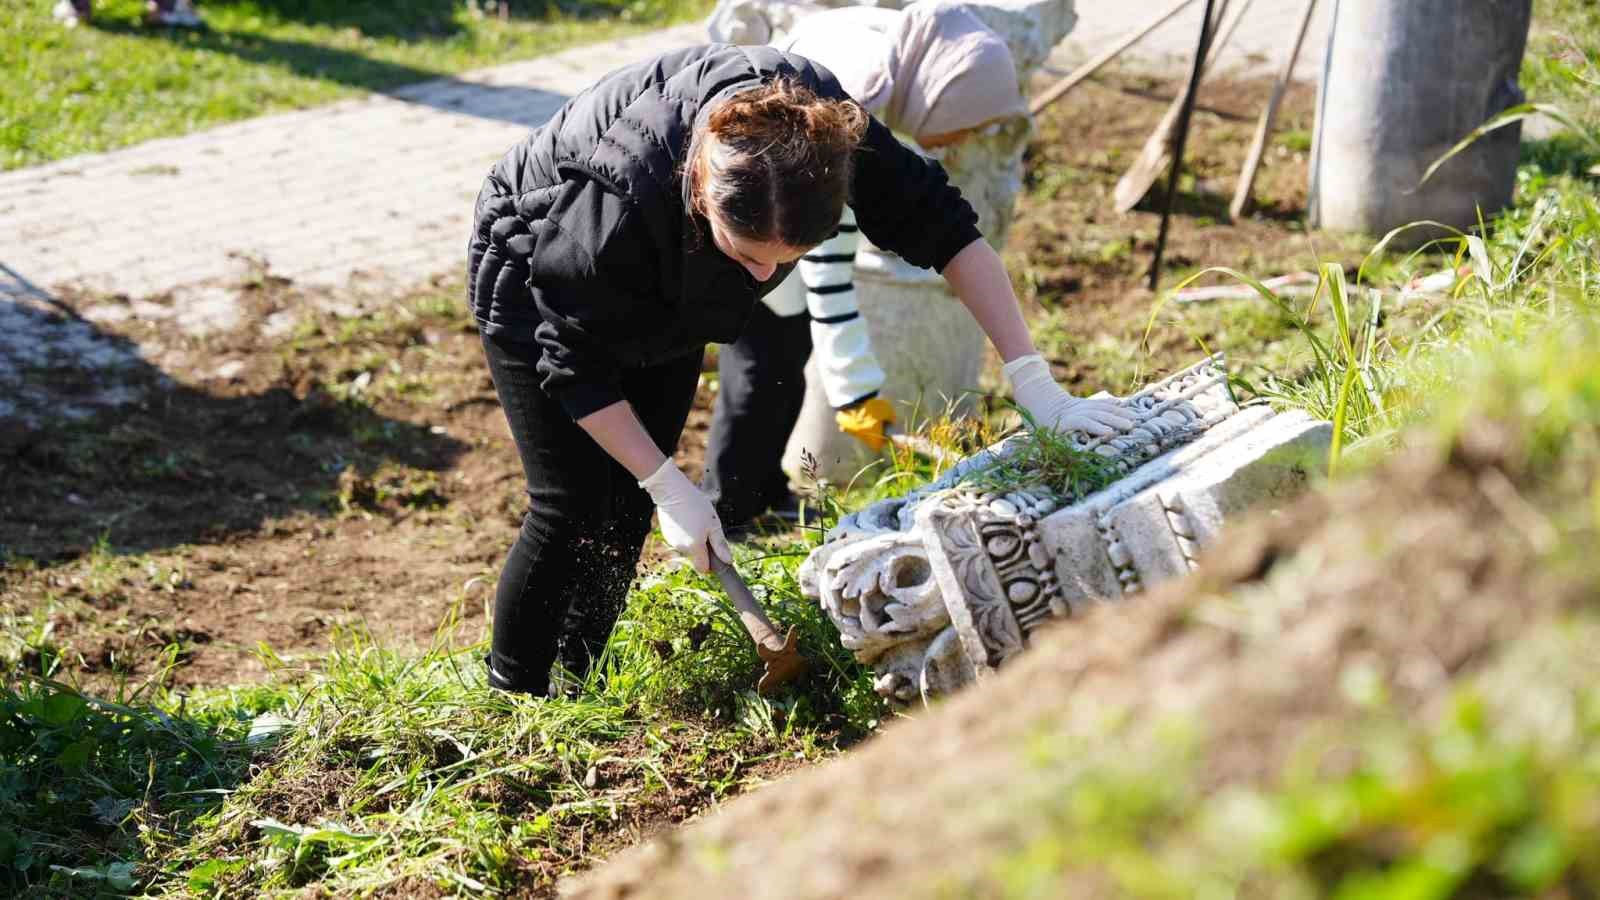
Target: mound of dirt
1414,577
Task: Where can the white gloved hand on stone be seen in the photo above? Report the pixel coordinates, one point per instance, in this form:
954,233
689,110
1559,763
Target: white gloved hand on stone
1051,407
688,520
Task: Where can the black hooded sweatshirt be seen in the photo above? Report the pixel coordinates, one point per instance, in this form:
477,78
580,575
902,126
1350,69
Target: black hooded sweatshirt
584,244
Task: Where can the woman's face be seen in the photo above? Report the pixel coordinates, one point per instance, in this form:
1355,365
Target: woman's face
760,258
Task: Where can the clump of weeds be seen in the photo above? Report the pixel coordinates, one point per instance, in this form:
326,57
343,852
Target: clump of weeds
390,768
390,488
1044,457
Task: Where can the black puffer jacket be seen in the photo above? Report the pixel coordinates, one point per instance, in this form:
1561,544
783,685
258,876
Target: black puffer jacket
583,241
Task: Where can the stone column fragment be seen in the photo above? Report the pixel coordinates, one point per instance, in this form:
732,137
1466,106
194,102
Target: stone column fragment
941,587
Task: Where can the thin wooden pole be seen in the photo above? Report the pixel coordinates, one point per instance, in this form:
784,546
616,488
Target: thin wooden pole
1258,146
1060,88
1157,150
1183,137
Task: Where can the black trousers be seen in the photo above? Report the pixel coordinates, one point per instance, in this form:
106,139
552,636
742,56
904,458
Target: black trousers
566,578
762,383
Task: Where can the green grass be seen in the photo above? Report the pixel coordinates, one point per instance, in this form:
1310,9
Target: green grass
1048,459
1466,803
1374,367
1565,39
375,768
1491,793
1373,373
118,83
92,785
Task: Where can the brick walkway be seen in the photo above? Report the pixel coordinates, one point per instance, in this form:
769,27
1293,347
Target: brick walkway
382,185
370,195
373,193
1260,45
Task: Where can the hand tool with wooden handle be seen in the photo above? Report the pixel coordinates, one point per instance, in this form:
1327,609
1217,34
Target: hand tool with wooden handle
783,662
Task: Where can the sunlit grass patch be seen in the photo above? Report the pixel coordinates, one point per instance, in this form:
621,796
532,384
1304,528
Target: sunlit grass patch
393,768
93,786
98,88
374,767
1043,457
680,645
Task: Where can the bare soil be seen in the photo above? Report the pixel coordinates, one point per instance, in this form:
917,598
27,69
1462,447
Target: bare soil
273,505
1418,576
270,487
1082,268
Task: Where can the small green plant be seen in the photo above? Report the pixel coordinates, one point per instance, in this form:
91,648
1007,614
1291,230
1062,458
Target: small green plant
392,487
680,645
1043,457
1295,140
93,786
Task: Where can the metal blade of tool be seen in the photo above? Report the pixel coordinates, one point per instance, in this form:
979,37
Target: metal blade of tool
783,662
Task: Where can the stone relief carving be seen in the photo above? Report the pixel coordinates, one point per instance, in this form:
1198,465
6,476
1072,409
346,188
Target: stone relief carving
940,587
880,593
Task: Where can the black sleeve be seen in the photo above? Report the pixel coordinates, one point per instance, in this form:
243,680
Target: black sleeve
586,277
905,202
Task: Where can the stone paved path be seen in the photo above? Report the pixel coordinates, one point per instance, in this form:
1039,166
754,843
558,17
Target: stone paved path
382,185
1260,45
371,194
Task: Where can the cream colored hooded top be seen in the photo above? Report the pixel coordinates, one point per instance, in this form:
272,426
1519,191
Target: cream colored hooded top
924,71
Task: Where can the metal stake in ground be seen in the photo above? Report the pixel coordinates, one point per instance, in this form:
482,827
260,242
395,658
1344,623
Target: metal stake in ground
1183,137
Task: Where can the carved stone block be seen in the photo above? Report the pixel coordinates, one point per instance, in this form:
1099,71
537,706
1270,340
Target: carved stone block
940,587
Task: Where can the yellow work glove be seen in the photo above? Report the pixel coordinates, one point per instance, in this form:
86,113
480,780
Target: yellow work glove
865,422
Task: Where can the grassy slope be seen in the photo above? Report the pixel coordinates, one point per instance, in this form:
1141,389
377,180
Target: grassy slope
424,784
402,772
1387,691
91,89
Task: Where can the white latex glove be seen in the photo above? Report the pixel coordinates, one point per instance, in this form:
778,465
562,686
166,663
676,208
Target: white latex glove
1051,407
688,520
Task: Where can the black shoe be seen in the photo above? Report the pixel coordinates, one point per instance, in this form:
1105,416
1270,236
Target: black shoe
500,682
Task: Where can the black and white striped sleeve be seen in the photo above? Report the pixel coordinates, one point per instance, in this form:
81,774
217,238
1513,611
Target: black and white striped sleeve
842,349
